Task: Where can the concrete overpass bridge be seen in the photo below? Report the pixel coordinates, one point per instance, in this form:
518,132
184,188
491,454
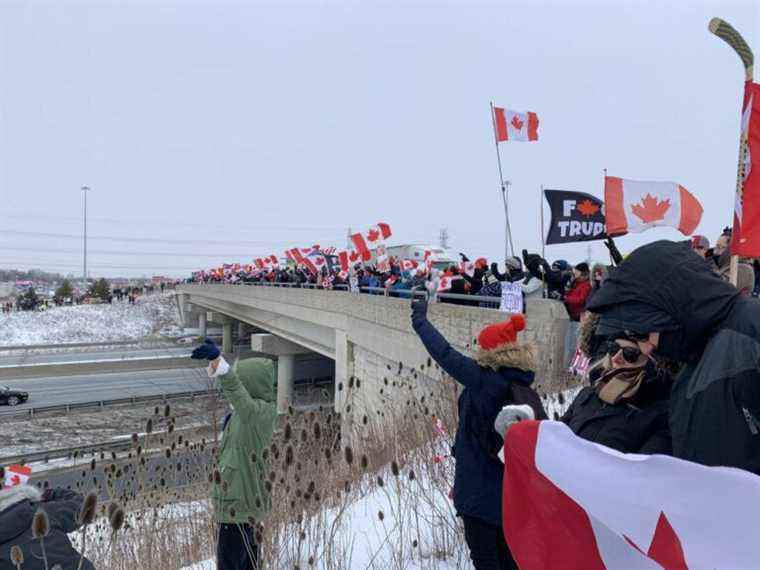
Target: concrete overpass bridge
366,335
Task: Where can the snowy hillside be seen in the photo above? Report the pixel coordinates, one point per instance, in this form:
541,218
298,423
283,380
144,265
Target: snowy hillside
89,323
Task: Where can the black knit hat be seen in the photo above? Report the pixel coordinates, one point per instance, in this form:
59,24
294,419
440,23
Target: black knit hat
582,267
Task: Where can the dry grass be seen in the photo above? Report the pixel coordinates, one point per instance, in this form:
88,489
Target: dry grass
390,448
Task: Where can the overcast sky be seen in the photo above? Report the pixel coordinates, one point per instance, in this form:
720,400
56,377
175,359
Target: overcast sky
213,132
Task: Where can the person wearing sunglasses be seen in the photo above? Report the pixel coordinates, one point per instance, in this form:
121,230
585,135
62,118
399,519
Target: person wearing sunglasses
665,291
626,406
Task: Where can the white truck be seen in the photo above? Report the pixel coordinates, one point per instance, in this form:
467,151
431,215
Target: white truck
441,258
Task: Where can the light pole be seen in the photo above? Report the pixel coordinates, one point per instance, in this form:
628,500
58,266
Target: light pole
85,189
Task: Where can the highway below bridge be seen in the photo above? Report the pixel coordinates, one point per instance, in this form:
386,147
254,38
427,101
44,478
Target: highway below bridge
185,375
53,391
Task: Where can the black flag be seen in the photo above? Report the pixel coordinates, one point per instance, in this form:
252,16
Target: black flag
576,216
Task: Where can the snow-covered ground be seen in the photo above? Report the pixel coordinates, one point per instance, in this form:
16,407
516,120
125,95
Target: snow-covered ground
402,524
89,323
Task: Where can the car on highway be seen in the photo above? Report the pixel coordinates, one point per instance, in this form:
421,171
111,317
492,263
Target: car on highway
12,397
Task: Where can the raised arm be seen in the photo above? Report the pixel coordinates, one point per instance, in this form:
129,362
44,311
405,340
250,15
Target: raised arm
460,367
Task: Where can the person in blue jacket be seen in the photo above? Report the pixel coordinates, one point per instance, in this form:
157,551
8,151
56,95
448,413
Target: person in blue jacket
501,373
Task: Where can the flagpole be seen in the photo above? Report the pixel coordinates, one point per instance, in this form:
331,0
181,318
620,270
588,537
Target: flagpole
543,232
508,245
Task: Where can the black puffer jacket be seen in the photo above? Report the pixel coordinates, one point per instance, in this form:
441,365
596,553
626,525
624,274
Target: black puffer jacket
703,321
479,472
640,427
17,508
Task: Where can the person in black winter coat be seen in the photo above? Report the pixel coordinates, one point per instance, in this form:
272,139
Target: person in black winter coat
557,276
500,374
18,506
626,406
666,291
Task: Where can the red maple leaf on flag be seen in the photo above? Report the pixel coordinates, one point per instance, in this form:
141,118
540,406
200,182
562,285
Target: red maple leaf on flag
666,548
15,480
651,209
587,208
373,235
319,261
353,256
517,123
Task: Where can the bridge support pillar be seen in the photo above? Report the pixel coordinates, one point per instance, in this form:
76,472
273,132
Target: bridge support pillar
202,324
227,337
285,367
241,330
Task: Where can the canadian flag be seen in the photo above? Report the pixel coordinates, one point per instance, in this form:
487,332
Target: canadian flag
745,238
361,247
259,262
633,206
17,475
274,261
576,505
383,263
343,258
580,363
379,232
515,125
444,283
408,264
467,267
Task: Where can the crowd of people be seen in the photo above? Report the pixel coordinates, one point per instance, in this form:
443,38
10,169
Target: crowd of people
674,370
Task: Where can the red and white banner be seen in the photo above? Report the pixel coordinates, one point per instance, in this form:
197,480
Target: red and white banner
745,238
17,475
515,125
633,206
572,504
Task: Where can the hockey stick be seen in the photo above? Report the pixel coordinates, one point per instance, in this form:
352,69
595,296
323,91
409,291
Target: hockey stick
728,34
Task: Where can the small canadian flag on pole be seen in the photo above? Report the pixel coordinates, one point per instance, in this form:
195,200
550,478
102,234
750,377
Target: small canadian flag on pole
633,206
17,475
515,125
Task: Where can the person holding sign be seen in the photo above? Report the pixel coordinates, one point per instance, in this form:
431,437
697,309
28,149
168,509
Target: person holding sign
501,373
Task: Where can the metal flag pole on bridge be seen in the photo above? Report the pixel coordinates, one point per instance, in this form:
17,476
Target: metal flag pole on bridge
508,245
543,231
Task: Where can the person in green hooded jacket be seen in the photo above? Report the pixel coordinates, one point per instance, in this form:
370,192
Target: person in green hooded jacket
239,495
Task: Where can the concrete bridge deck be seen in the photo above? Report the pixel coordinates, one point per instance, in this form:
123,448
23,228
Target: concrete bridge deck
366,335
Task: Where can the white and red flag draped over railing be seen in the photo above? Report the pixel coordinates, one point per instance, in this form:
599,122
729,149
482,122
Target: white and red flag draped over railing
576,505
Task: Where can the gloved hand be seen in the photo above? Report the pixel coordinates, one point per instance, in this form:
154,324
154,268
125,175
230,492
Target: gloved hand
510,415
207,351
615,255
419,307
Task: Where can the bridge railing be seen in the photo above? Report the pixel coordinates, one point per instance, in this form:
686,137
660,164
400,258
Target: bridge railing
454,298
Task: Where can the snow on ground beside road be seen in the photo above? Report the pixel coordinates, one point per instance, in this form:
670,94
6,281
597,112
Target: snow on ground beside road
383,529
89,323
